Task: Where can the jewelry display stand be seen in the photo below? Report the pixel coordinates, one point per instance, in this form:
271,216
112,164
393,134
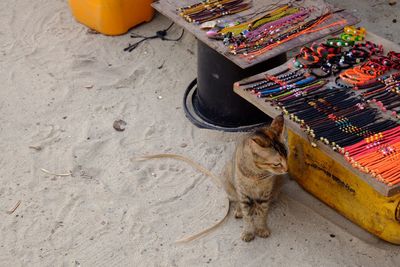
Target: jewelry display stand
327,175
212,104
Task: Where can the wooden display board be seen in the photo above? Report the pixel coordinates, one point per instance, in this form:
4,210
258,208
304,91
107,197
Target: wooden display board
326,174
271,111
169,9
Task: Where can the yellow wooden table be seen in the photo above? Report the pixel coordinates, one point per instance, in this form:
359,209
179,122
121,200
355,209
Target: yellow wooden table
328,176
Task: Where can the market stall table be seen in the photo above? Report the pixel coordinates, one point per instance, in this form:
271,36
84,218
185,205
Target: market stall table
327,175
213,104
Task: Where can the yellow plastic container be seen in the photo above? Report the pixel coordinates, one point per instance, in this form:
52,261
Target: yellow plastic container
112,17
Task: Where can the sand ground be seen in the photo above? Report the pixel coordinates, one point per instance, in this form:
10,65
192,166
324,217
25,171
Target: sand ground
61,90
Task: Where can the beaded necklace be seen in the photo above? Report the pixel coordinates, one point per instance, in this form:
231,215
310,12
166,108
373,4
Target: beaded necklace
300,29
269,16
212,9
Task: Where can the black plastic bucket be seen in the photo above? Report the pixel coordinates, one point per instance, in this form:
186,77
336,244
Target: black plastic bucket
214,100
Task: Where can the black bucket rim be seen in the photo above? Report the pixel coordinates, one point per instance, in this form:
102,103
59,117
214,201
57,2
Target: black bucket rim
194,115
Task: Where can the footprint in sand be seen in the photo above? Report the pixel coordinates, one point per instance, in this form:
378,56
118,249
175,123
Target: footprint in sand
47,135
155,128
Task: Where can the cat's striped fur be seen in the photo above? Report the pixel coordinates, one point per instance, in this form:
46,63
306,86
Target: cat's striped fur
251,179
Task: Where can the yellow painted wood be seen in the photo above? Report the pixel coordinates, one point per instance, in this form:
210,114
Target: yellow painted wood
342,190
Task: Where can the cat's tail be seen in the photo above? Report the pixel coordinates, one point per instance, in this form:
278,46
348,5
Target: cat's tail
200,168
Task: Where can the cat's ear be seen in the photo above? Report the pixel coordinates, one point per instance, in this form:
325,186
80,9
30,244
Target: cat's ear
257,142
277,126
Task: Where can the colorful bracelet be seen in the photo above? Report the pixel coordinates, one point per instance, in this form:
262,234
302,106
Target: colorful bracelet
349,37
355,31
339,42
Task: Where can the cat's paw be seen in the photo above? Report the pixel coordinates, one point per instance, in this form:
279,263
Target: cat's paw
247,236
264,232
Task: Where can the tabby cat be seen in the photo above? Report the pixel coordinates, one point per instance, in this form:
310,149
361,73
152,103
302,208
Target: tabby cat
252,180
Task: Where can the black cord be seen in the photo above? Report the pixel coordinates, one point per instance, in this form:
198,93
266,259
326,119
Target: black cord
177,39
159,34
169,27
